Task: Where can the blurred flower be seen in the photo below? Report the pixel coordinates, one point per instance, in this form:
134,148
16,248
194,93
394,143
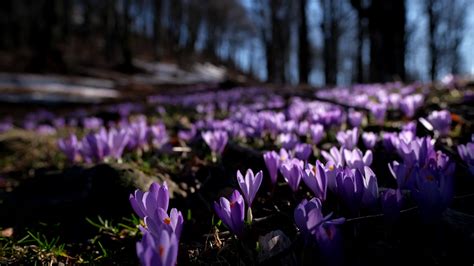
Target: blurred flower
410,104
187,135
216,140
315,178
288,140
70,147
146,203
355,118
117,140
303,151
378,111
441,121
92,122
232,213
138,133
410,126
45,130
158,135
292,170
369,139
249,185
348,139
94,146
317,132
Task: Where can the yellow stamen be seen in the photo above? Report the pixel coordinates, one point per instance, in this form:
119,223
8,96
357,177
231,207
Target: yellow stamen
167,220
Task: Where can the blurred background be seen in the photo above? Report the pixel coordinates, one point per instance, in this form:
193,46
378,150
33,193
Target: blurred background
313,42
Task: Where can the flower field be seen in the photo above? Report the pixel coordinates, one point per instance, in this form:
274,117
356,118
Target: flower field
377,174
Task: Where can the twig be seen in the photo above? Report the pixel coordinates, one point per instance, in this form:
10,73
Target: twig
378,215
464,196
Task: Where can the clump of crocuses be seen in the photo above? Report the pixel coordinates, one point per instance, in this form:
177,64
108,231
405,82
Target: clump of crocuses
159,245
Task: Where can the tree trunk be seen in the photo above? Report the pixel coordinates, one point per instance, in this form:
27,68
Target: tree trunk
434,55
387,40
331,35
157,29
126,42
304,53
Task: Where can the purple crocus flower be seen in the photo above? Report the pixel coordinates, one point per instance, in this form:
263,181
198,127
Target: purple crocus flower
232,213
356,159
378,111
160,220
317,228
70,147
441,121
403,174
5,125
117,140
369,139
95,146
350,188
45,130
410,103
348,139
158,135
92,122
410,126
390,141
288,140
391,204
355,118
331,170
335,156
303,128
187,135
216,140
371,189
433,193
146,203
466,152
161,250
272,161
317,132
315,178
138,134
303,151
249,185
292,171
